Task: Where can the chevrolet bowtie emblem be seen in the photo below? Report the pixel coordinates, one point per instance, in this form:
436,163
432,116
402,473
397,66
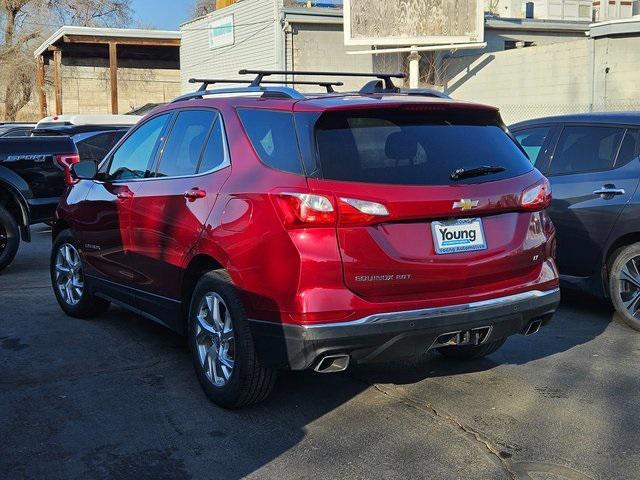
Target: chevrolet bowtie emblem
465,204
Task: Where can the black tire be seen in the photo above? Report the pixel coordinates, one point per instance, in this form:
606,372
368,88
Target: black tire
88,305
621,291
471,352
249,382
9,238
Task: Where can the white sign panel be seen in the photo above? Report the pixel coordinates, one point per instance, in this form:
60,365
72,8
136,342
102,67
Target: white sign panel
221,33
413,22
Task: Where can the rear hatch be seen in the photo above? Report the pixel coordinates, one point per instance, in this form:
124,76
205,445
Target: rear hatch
429,200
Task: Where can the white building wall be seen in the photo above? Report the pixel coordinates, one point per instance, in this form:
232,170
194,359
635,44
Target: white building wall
256,40
320,47
572,77
562,9
614,9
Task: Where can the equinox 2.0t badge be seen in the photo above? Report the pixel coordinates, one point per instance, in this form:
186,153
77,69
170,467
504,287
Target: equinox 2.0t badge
465,204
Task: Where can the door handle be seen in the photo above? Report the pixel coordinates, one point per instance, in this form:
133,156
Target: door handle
194,194
609,190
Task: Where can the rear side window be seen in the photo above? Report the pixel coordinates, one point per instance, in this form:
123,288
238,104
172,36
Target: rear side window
532,140
586,149
273,136
414,148
186,141
17,132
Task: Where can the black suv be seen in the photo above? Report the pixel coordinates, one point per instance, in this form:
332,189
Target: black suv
592,162
35,170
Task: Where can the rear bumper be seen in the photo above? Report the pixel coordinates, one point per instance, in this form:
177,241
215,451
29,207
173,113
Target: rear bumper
397,334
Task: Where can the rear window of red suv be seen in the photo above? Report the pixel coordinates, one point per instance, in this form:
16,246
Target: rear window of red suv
414,147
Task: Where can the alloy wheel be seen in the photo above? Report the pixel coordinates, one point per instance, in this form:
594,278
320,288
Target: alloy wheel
215,340
68,275
630,286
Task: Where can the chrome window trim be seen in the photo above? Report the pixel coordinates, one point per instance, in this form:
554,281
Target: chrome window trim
410,315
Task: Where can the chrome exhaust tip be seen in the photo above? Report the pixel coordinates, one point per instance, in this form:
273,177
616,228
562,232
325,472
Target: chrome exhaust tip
534,327
333,364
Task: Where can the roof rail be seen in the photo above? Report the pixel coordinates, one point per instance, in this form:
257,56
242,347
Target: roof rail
206,82
281,92
424,92
386,77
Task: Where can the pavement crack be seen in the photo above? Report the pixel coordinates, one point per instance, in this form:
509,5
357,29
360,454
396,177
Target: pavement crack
478,437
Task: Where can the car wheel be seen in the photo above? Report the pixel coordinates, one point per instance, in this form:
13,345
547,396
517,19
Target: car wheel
9,238
624,284
222,347
67,279
471,352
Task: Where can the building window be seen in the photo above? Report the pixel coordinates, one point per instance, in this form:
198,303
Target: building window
584,11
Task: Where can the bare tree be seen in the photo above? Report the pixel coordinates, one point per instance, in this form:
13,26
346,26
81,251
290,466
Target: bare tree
92,13
203,7
23,25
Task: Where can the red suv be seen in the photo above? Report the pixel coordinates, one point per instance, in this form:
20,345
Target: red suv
279,230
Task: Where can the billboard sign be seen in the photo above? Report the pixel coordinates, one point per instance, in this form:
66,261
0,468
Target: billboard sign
413,22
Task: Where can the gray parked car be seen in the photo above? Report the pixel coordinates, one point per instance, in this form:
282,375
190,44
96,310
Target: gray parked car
592,161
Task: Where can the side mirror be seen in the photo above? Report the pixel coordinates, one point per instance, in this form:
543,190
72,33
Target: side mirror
85,170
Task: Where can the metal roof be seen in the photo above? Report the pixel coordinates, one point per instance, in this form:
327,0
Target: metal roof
596,117
615,27
535,24
107,33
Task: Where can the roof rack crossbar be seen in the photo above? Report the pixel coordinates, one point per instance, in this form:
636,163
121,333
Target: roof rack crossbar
207,82
386,77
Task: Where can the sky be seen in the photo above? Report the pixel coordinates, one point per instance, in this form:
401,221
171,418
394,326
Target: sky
169,14
163,14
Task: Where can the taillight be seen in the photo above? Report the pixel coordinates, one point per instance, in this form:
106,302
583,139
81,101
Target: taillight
353,212
65,161
306,210
537,197
302,210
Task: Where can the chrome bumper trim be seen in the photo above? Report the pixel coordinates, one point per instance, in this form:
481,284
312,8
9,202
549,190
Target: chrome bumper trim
410,315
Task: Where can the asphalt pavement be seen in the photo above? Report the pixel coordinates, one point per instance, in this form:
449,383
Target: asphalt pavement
116,398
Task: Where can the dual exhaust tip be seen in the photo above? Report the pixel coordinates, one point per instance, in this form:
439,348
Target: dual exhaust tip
533,327
340,362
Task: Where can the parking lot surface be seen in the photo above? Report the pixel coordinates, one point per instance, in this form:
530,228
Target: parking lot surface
116,398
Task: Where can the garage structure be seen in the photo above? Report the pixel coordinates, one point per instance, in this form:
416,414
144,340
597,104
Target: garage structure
84,60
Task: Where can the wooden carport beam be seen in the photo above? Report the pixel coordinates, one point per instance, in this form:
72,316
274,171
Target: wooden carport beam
113,71
42,95
57,78
145,42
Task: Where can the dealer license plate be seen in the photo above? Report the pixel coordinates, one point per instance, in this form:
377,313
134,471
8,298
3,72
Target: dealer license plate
457,236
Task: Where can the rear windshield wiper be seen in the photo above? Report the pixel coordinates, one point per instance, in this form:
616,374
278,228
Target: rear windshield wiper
461,173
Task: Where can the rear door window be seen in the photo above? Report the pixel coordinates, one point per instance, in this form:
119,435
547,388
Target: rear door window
584,148
532,140
630,148
185,143
273,136
215,152
414,148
